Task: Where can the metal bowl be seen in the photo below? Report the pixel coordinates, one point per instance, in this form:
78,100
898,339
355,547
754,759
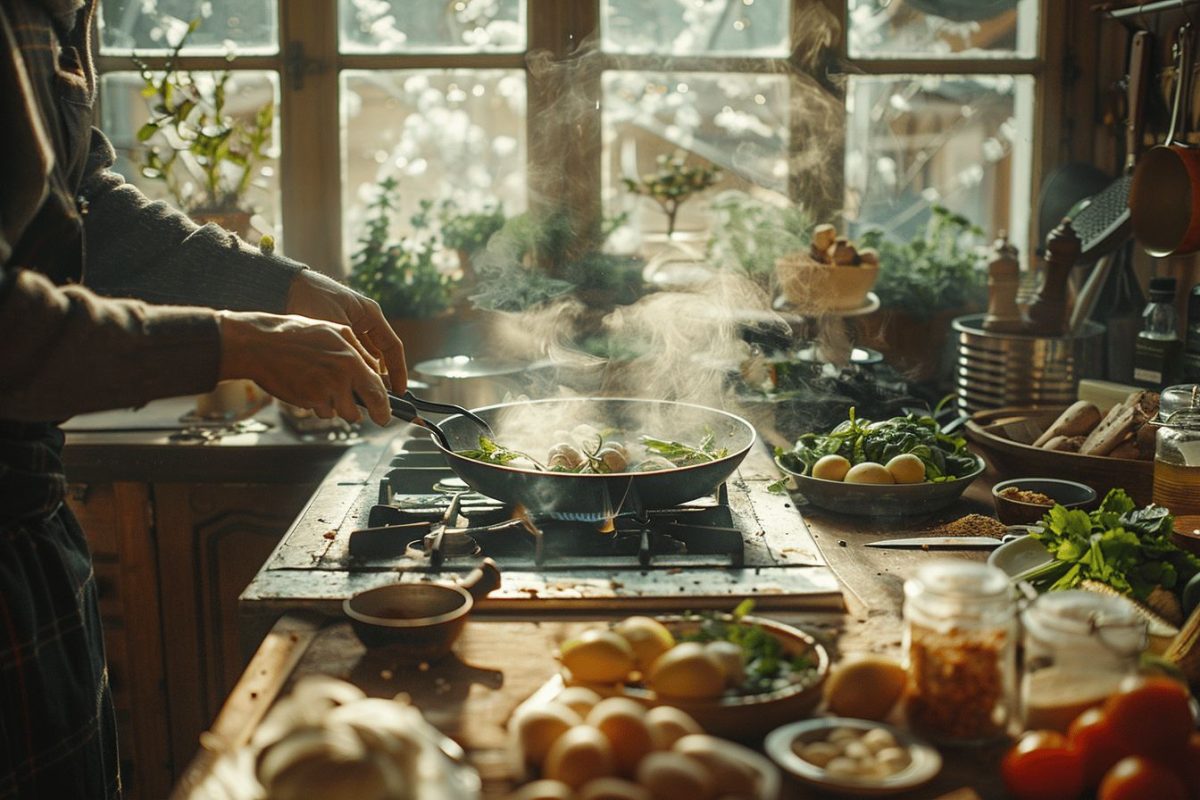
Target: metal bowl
886,500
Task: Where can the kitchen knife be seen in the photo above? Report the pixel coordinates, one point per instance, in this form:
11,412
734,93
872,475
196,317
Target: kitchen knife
941,542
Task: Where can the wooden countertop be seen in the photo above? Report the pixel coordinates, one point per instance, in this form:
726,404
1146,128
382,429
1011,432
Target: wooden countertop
499,662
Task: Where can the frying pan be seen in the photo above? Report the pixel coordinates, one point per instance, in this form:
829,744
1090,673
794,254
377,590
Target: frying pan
594,497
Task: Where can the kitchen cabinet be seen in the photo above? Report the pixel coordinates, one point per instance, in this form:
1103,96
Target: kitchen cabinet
177,531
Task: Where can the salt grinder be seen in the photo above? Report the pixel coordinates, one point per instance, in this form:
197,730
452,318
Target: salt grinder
1004,277
1048,311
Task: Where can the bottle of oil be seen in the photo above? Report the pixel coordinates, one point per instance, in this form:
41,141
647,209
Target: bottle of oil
1177,450
1156,354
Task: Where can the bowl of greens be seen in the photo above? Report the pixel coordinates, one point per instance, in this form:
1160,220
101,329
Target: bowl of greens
898,466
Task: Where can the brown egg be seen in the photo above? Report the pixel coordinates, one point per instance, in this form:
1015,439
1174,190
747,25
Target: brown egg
580,755
613,789
543,790
731,775
623,723
538,728
674,776
668,725
579,699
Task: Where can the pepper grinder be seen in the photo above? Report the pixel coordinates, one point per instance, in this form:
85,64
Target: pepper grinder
1004,277
1048,311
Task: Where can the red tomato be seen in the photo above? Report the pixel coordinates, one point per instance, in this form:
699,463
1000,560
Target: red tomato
1041,767
1190,770
1152,716
1138,778
1093,737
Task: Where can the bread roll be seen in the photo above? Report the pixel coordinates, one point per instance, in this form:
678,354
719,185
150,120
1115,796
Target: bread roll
1064,444
1078,420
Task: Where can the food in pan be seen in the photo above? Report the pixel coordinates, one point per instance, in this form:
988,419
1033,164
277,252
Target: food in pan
908,449
1122,433
590,450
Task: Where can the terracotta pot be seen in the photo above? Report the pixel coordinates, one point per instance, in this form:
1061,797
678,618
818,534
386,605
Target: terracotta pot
918,348
233,221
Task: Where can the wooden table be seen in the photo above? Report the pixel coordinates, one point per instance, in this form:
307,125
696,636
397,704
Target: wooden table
500,662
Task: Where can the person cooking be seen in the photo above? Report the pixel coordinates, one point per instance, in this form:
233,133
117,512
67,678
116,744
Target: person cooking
72,232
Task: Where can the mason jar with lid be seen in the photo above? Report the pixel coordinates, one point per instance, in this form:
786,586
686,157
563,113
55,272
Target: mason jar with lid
959,639
1079,646
1177,450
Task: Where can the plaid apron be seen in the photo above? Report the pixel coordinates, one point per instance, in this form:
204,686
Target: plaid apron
57,724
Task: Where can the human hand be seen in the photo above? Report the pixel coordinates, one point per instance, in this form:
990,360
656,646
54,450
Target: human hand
306,362
321,297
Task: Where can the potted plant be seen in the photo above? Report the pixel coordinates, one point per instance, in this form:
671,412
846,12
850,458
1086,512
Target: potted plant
206,157
403,276
923,284
750,235
468,232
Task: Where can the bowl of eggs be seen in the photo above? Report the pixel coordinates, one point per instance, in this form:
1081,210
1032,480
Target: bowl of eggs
572,744
853,756
737,675
868,488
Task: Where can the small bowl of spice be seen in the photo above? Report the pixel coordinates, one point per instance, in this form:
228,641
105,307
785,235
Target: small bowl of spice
1024,501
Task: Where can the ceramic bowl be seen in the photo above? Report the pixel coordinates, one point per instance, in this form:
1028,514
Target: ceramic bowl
749,716
813,287
1070,494
870,499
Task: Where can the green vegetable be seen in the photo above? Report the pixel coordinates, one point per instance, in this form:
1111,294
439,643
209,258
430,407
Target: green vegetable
857,440
493,453
1125,547
767,663
682,454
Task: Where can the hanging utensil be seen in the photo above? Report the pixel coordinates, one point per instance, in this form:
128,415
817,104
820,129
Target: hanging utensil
1164,198
1104,222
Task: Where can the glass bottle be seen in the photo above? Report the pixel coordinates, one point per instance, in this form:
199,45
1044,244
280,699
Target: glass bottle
1079,646
1177,450
1156,352
959,639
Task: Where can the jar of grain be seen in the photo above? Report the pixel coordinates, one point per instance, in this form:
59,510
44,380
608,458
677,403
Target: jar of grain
959,638
1079,646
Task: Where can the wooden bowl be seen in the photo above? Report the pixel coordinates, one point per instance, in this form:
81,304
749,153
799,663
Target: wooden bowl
744,717
813,287
1003,436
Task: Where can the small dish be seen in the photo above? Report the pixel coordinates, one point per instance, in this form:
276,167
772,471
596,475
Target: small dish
780,744
1019,555
872,499
1070,494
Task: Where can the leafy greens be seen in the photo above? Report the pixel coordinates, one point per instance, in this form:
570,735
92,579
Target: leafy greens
768,664
1125,547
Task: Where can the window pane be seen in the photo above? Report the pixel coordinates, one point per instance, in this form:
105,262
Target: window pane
441,134
392,26
962,142
696,27
157,25
737,122
942,28
186,183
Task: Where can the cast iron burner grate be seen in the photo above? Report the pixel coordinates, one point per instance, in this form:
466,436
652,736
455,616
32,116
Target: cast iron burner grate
424,515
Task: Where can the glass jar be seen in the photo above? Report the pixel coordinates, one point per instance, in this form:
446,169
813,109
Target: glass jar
1177,450
1079,646
959,638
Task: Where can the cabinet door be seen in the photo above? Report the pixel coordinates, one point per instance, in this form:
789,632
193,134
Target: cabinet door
212,540
117,519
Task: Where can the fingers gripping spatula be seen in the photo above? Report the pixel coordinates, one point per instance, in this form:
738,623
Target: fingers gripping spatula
1104,222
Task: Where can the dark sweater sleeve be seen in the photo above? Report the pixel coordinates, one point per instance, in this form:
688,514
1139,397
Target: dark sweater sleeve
66,351
149,251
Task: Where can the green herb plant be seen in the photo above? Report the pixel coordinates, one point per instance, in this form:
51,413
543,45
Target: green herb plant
673,184
1118,544
768,665
682,454
857,440
750,235
191,138
941,269
401,275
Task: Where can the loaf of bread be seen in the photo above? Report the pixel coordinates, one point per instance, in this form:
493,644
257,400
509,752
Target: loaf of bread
1064,444
1121,424
1078,420
1125,432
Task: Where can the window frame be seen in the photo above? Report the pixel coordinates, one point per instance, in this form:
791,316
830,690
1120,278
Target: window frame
309,63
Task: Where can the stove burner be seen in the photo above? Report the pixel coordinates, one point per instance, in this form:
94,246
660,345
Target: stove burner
451,486
453,545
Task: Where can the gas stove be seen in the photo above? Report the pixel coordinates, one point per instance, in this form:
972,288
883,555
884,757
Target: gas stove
410,518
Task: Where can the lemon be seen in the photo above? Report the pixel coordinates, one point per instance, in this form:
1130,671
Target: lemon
668,725
598,656
537,729
831,468
906,468
648,637
865,687
869,472
687,672
580,755
623,723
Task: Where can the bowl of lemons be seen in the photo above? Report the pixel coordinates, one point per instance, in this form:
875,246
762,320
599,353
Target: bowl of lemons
737,675
894,467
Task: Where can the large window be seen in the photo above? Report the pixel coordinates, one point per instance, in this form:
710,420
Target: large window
871,109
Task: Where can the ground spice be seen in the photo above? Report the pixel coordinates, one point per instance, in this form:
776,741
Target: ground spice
1026,496
973,525
956,685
